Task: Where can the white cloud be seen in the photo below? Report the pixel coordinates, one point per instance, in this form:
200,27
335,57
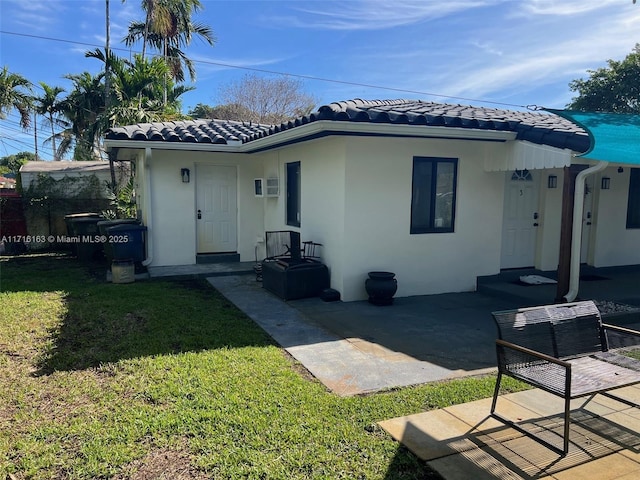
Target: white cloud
564,7
207,66
557,55
376,15
498,58
488,47
37,15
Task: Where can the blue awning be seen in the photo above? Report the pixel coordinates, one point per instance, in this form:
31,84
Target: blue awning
615,137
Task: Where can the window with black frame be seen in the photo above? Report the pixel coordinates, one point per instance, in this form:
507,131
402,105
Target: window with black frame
293,194
633,203
433,198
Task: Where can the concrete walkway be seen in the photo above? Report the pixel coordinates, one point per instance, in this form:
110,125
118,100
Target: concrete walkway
462,442
372,356
356,347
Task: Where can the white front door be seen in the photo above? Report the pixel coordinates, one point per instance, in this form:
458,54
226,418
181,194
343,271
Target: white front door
216,205
520,219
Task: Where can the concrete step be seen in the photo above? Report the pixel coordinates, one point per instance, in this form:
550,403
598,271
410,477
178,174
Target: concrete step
204,258
202,270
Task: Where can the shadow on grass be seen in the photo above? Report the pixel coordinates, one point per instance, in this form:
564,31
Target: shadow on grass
107,322
405,465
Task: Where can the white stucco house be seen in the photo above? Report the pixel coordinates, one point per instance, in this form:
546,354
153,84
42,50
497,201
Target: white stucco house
439,194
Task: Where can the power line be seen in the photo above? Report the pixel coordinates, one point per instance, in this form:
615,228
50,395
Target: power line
20,146
14,126
274,72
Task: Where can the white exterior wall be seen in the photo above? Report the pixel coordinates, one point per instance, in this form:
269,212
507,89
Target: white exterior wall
356,201
550,211
378,218
171,214
610,243
614,244
322,177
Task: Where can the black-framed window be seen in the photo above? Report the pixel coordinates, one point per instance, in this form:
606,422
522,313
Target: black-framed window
633,204
433,197
293,194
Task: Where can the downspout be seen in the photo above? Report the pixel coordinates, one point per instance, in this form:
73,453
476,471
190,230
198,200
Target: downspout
147,202
576,232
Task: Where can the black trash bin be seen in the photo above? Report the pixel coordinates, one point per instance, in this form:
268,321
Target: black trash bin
127,242
104,225
86,237
69,219
72,232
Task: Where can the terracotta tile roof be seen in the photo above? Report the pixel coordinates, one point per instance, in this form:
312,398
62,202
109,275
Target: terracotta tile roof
535,127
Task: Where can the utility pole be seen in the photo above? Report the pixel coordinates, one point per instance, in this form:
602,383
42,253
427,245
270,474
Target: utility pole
35,132
107,91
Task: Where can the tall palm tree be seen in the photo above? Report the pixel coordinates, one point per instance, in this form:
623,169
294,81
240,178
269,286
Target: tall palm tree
168,28
15,93
49,106
84,110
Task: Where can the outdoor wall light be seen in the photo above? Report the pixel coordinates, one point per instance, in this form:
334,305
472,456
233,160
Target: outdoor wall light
605,183
184,173
552,182
620,169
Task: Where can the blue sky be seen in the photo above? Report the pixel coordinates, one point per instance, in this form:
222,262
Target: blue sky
511,52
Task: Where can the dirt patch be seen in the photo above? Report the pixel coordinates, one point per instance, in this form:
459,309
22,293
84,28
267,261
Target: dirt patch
162,464
299,368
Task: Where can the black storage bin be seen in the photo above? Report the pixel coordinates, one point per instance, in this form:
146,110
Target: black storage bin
127,242
104,225
72,231
295,280
69,220
88,245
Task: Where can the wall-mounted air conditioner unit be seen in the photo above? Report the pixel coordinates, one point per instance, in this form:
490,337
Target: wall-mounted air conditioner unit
273,187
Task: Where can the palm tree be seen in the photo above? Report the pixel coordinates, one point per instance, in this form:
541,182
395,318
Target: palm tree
168,28
84,110
12,95
138,90
49,106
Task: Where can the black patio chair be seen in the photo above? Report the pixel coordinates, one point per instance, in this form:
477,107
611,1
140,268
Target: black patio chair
283,245
311,250
280,245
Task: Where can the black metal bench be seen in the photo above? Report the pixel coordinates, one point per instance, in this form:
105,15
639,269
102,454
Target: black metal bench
564,350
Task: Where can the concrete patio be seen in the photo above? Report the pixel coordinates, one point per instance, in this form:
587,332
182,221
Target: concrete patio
462,442
356,347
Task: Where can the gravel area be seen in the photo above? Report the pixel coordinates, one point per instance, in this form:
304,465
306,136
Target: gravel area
606,306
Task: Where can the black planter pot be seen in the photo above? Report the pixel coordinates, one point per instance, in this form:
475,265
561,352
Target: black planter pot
381,287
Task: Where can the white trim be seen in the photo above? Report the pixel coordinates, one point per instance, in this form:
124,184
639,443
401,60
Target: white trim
148,206
338,128
521,155
315,128
184,146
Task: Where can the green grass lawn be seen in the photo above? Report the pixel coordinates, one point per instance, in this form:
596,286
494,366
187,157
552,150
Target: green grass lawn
168,378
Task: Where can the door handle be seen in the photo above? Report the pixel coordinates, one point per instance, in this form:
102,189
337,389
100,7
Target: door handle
535,224
199,214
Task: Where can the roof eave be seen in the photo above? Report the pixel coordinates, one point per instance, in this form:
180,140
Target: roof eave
164,145
333,127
